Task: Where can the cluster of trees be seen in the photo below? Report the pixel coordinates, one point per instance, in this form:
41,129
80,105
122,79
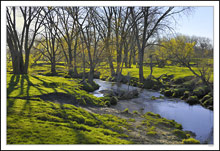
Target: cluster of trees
91,36
188,52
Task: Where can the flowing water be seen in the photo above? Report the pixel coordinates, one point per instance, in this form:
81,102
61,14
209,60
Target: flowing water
193,118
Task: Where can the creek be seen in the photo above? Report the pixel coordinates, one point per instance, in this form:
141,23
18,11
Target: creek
193,118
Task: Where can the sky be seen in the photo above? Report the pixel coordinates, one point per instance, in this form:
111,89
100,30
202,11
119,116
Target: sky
198,23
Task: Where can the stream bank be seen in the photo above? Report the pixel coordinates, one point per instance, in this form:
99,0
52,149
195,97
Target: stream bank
189,88
193,118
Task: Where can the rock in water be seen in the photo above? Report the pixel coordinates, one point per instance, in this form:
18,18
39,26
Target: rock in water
130,94
108,92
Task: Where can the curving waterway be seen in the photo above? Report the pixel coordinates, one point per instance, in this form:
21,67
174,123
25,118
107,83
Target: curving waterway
193,118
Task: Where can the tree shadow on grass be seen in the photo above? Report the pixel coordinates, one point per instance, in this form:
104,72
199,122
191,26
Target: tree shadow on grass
10,104
45,83
26,107
13,83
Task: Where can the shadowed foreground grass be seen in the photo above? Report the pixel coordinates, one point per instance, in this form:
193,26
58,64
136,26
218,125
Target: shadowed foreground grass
28,86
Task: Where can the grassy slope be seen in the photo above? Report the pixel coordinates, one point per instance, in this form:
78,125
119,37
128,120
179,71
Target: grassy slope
35,121
40,122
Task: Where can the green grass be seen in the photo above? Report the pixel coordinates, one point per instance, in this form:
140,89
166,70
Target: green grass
39,122
35,85
157,120
170,70
178,72
190,141
31,120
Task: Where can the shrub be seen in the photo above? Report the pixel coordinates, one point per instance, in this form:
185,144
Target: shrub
178,92
186,94
192,100
206,97
201,91
168,93
208,102
179,133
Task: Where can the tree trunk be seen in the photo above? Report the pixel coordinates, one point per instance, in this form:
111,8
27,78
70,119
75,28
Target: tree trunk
110,58
141,58
118,62
151,67
126,57
129,62
70,66
134,57
74,57
53,65
91,75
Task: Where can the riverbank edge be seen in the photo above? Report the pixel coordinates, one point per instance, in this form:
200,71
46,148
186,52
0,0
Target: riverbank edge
188,88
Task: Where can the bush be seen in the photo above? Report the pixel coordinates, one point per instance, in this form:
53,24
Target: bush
201,91
208,102
186,94
192,100
179,133
190,141
178,92
206,97
168,93
152,83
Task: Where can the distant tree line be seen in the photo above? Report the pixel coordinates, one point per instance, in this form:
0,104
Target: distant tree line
87,37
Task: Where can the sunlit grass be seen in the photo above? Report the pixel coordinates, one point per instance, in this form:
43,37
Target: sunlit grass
40,122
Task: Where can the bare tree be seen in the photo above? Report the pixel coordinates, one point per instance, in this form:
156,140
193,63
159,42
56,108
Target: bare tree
105,19
49,41
148,21
20,43
121,28
67,18
91,37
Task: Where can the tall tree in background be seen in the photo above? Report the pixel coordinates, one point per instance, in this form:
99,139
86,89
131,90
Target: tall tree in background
121,28
68,29
105,20
49,42
91,37
148,21
183,52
